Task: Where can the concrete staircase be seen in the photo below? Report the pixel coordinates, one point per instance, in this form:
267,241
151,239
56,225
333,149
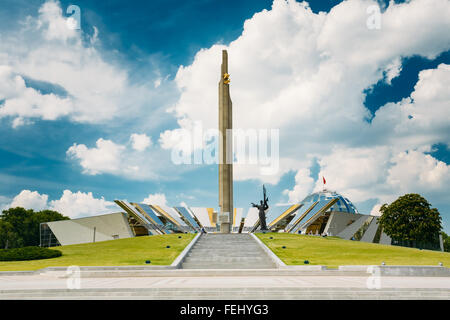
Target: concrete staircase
227,251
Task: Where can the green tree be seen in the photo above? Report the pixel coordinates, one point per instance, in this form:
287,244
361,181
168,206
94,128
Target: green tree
9,238
20,227
411,218
18,220
446,241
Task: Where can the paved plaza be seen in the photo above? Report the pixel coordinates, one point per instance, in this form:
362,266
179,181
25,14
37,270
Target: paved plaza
56,286
239,269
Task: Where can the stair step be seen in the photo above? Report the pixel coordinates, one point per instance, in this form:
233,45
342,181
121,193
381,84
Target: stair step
190,265
238,261
231,251
214,256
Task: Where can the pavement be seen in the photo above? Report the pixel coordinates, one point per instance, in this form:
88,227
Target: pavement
228,267
54,286
54,282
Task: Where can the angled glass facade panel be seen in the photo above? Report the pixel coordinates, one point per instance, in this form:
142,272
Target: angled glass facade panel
168,216
275,212
300,215
174,214
288,211
171,227
303,216
318,210
319,206
170,222
202,216
191,213
128,207
343,204
184,212
151,213
47,237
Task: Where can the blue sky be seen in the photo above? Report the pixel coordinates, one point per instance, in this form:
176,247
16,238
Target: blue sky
131,62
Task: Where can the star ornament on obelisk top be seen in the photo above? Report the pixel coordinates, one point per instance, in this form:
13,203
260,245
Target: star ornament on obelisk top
225,149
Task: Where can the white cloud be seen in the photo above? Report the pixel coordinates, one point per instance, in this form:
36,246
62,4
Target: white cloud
29,200
105,157
420,120
376,210
307,73
130,161
414,27
291,69
178,139
156,199
54,24
304,184
140,142
45,49
384,174
355,172
80,204
414,170
393,70
71,204
22,101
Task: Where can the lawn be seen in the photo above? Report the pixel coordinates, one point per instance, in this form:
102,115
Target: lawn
122,252
334,252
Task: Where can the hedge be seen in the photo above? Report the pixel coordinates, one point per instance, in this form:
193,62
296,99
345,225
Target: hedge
28,253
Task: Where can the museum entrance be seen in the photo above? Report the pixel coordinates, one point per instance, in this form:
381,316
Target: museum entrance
318,226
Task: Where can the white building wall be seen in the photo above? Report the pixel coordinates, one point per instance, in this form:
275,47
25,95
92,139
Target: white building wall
237,219
385,239
76,231
371,231
348,232
338,221
202,216
250,219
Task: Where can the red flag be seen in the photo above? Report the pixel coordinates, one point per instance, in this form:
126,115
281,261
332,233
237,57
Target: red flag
324,181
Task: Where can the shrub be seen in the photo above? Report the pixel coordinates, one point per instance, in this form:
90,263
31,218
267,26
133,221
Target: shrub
28,253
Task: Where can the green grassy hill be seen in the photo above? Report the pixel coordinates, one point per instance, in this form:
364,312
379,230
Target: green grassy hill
122,252
334,252
329,251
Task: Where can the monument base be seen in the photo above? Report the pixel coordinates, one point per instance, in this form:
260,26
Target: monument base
224,228
224,220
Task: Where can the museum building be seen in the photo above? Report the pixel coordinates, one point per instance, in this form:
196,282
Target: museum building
321,213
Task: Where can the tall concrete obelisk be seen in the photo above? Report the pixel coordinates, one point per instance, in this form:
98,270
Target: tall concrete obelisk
225,149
